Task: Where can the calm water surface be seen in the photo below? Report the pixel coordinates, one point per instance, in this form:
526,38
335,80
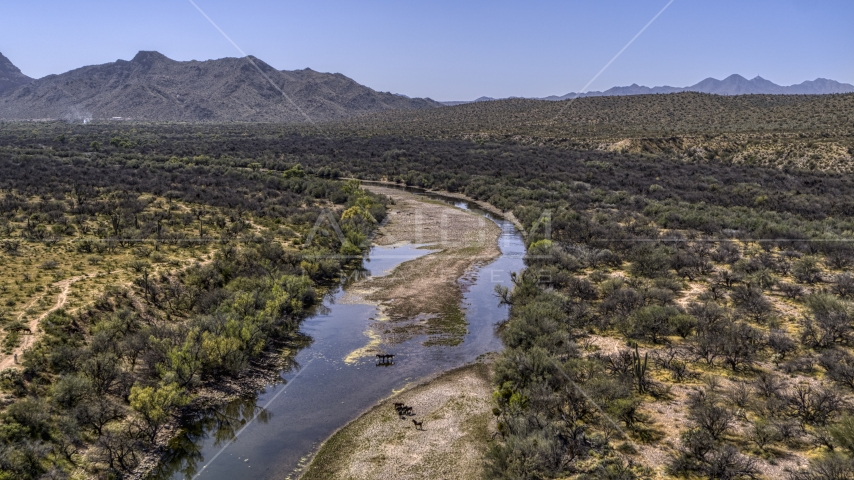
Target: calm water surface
274,434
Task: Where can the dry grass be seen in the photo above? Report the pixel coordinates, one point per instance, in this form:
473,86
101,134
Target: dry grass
44,276
456,411
668,414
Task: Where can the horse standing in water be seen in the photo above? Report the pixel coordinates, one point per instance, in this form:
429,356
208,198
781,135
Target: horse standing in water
385,359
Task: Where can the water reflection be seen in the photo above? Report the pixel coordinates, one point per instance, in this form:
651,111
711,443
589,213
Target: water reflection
220,423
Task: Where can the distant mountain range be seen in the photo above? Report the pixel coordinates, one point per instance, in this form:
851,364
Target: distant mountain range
152,87
10,76
732,85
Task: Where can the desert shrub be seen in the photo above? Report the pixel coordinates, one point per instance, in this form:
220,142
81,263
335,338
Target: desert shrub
655,322
768,384
726,252
791,290
804,364
763,433
839,365
814,406
700,454
843,285
581,289
611,469
650,261
738,344
707,412
833,466
830,321
49,265
751,300
781,344
842,432
807,269
739,395
137,266
622,301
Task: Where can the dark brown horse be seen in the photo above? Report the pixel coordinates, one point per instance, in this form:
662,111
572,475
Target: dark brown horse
418,425
403,410
385,359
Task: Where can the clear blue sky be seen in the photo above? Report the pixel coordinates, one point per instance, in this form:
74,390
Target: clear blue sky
453,50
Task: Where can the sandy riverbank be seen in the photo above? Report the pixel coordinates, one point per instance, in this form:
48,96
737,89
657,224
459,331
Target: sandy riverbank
484,205
456,410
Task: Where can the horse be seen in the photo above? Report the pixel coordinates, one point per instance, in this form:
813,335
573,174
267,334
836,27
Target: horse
384,357
418,425
403,411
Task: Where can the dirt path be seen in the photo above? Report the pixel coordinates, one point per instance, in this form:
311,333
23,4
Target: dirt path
27,340
694,291
456,411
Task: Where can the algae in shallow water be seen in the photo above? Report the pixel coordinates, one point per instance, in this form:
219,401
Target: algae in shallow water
449,328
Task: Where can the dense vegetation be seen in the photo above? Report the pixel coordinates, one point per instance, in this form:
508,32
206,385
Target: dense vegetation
602,117
219,275
689,303
796,131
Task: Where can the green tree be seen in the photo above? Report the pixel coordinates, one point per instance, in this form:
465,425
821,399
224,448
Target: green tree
653,322
294,172
651,262
155,405
843,432
807,270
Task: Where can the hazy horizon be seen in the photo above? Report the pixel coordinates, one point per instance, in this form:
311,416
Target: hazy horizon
447,51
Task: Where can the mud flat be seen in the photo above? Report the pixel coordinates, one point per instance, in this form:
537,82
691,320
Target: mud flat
422,297
456,410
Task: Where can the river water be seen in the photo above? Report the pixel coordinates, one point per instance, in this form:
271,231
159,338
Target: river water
274,434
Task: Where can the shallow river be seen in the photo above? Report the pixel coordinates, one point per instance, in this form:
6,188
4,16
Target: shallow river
274,434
